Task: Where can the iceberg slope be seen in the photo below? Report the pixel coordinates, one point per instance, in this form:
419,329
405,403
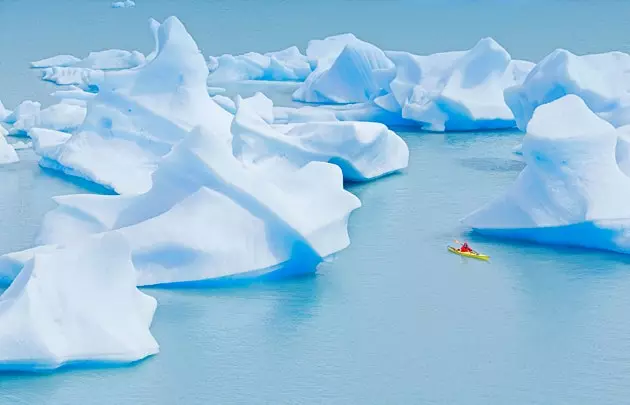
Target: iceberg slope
140,113
74,307
363,150
572,190
601,80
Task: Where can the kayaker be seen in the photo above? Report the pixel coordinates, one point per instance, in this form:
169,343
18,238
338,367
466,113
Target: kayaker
465,248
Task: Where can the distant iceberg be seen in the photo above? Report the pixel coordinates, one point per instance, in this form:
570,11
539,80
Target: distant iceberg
67,70
65,116
76,307
123,4
347,70
286,65
601,80
455,91
572,191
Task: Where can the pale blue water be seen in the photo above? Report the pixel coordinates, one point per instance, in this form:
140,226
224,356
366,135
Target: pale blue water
395,319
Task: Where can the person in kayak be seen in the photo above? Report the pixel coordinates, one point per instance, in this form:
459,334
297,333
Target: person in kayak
465,248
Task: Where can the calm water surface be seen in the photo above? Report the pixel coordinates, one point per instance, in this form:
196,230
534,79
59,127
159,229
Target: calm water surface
395,319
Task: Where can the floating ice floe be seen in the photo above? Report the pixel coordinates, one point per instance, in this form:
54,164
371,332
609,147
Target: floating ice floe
363,150
139,114
286,65
347,70
123,4
572,191
76,307
601,80
7,152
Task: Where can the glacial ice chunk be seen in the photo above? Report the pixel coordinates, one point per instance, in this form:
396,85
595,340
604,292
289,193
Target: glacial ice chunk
601,80
139,114
285,65
76,306
572,191
358,73
209,216
455,91
46,140
363,150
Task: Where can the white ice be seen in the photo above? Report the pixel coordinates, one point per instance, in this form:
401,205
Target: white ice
363,150
347,70
572,191
74,307
139,114
65,116
59,60
47,140
601,80
455,91
286,65
7,152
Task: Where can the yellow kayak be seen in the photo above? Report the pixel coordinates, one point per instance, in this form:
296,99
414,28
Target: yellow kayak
473,255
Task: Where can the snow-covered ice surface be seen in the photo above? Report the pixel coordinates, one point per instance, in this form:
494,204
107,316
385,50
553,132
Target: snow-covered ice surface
601,80
572,191
363,150
75,307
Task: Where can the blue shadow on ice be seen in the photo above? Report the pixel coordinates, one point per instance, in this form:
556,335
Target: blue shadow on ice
588,235
34,368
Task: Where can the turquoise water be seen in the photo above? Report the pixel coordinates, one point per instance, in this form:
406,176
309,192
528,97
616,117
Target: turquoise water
394,319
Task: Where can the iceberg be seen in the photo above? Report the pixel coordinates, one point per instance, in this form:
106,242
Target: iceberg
363,150
455,91
76,307
285,65
19,145
7,152
139,114
210,216
58,60
572,191
348,70
65,116
601,80
123,4
64,70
